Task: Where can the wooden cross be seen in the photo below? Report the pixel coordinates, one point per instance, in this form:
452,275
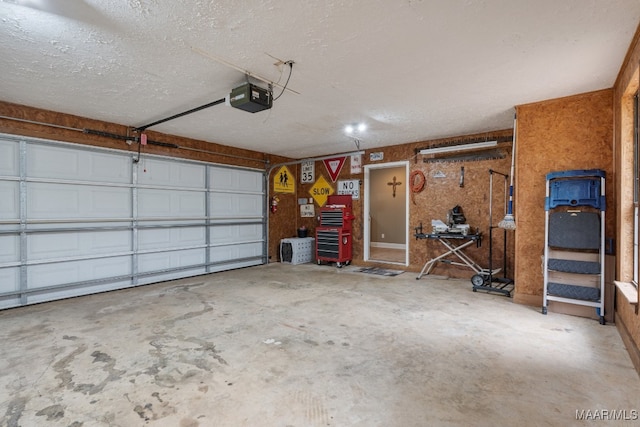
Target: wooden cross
394,183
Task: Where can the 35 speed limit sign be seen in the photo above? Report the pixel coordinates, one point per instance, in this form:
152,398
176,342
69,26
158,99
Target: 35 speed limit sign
307,173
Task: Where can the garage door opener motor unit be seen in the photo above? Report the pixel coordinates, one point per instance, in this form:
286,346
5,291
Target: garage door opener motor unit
251,98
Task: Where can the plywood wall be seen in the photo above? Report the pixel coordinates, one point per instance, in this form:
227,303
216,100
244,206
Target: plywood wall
568,133
441,193
627,315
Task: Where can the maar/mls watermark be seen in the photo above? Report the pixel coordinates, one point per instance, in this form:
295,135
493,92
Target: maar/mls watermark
607,414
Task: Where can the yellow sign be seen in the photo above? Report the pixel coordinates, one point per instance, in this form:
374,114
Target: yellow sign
284,181
321,190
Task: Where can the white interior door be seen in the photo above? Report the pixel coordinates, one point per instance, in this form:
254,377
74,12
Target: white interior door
401,216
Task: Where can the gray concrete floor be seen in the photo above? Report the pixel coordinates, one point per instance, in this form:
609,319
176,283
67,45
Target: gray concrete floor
308,345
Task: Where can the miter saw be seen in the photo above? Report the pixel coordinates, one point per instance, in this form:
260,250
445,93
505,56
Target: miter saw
456,221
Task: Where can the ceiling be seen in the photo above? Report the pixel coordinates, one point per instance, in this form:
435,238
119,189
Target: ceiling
412,70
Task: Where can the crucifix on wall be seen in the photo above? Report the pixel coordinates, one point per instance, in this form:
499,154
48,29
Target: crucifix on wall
394,183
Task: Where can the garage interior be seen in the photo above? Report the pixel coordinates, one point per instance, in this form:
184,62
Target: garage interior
155,157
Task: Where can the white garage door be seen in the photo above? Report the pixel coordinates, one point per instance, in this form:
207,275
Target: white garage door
76,220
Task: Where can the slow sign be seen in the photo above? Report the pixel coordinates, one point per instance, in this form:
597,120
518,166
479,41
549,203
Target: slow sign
321,190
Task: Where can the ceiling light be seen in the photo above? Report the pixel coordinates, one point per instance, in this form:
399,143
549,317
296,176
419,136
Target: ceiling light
355,127
462,147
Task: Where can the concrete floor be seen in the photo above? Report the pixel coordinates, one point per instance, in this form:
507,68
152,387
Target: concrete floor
308,345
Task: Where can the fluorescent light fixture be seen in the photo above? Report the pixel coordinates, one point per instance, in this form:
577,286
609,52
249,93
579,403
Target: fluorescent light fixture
461,147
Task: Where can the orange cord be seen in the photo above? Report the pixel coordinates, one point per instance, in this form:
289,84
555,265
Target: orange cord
416,186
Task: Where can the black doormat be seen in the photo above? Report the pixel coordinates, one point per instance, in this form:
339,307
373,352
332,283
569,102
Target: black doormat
379,271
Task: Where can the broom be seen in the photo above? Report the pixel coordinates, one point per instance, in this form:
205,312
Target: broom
509,222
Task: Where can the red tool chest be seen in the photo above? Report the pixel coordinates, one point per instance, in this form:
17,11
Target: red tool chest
333,235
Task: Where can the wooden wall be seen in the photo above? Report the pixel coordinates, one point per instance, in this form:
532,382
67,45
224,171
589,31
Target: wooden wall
627,83
441,193
567,133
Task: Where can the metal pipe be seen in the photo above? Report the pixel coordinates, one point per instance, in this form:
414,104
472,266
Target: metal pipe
313,159
33,122
134,139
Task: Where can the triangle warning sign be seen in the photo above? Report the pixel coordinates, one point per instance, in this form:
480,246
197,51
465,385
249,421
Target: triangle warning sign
334,166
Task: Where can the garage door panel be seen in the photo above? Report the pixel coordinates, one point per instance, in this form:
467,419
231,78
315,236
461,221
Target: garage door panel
53,201
153,203
111,241
225,179
61,245
226,253
172,174
9,279
165,260
191,204
235,233
228,257
51,295
9,155
220,205
61,273
250,205
174,204
221,179
228,205
249,181
166,238
9,303
233,265
108,168
9,200
111,202
145,280
9,248
52,162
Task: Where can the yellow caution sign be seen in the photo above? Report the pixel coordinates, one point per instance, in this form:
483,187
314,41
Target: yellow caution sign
321,190
284,181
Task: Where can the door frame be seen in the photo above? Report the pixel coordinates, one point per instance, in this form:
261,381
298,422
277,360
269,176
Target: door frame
367,207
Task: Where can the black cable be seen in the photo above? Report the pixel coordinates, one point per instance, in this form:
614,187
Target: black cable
138,159
287,82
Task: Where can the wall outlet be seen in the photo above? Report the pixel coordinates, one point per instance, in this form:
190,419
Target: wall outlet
382,236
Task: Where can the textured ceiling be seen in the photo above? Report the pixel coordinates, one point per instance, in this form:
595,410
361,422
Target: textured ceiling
412,70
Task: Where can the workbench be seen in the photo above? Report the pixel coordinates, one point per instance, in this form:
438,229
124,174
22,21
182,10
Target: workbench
455,243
